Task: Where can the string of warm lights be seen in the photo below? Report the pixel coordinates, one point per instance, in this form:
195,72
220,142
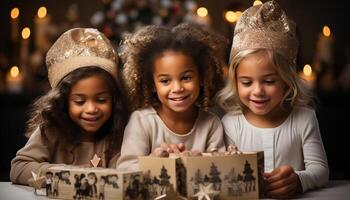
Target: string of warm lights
230,15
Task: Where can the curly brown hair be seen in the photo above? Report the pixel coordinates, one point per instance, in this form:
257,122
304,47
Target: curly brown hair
141,49
50,112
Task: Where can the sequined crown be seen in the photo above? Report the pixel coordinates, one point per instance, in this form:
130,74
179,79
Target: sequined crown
266,26
79,47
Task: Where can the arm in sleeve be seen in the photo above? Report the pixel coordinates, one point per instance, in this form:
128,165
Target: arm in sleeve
136,143
316,171
216,136
34,156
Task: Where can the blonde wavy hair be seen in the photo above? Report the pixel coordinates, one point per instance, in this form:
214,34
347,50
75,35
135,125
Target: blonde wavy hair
141,49
297,93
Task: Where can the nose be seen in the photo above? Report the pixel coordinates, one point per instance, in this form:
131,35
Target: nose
91,107
177,86
258,90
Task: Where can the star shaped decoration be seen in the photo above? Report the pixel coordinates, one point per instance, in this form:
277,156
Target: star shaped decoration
95,160
170,194
206,192
38,180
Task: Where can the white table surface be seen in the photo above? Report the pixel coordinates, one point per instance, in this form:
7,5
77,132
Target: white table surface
335,190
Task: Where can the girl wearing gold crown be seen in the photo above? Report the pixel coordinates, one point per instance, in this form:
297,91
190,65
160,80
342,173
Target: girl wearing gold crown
269,106
84,113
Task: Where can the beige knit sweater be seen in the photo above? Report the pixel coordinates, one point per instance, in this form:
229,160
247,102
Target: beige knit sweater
37,156
146,131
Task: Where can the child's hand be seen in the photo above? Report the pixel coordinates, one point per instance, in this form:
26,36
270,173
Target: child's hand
173,148
165,149
282,182
159,152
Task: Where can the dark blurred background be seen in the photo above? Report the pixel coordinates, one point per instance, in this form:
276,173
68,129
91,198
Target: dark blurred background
324,56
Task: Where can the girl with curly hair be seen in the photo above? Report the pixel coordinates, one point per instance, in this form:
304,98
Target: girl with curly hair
171,76
82,115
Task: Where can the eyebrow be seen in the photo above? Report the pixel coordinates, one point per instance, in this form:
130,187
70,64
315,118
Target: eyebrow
266,75
100,93
187,71
271,74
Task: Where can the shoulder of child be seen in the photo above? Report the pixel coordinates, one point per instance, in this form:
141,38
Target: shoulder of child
304,119
208,119
304,112
144,112
228,117
145,117
38,136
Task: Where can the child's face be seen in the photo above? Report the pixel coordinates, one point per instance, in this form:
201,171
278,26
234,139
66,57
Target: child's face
260,88
90,104
176,80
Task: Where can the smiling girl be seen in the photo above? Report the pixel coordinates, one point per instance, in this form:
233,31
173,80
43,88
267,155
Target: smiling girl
269,106
171,77
82,115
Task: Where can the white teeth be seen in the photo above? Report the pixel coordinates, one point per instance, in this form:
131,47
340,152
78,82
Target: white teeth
91,119
178,99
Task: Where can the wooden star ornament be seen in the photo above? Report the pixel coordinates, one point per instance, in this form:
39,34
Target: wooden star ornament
206,192
37,180
95,160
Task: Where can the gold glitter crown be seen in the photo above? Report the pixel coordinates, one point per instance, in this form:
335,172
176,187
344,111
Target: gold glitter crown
80,47
266,26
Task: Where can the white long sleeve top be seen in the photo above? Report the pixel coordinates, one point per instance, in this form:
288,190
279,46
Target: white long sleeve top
146,131
296,142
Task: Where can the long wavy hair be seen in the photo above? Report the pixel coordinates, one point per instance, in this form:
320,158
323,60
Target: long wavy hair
50,112
297,93
140,50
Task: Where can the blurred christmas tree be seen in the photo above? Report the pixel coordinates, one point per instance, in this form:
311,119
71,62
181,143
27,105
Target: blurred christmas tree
119,17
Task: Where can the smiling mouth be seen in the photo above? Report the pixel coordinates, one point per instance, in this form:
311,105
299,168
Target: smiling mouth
178,98
259,102
90,120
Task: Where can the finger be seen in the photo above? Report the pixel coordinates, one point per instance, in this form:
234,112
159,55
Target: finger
278,175
157,151
285,190
281,183
170,150
181,147
267,174
164,145
174,148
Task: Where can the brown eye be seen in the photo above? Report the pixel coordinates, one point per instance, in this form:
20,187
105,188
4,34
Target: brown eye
101,100
165,81
269,81
79,102
246,83
186,78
